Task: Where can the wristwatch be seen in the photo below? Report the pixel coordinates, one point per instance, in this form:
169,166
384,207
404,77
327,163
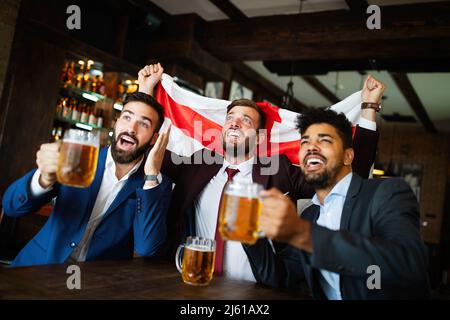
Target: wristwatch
151,177
371,105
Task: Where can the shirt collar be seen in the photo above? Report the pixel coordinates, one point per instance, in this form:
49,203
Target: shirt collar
110,165
244,167
340,189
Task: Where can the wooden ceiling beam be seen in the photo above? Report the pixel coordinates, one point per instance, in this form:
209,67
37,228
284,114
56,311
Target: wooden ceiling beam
227,7
408,91
319,87
415,30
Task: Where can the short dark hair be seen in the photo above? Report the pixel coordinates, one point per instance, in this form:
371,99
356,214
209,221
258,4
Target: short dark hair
250,104
339,121
150,101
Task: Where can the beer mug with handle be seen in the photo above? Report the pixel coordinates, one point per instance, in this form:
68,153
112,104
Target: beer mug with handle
78,158
196,265
240,209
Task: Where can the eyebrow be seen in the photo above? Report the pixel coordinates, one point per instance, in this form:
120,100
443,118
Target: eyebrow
321,135
143,117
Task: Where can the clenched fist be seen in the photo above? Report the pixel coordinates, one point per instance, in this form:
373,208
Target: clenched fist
47,162
372,90
148,78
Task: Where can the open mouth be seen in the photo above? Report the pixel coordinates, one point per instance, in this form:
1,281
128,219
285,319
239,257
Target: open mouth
314,163
126,143
233,134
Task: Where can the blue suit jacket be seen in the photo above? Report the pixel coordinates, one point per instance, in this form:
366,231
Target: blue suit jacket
135,221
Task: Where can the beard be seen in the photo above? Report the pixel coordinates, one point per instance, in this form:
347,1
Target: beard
238,150
124,157
324,179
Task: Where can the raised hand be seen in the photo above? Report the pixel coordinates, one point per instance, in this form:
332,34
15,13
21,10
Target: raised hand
372,90
156,154
148,77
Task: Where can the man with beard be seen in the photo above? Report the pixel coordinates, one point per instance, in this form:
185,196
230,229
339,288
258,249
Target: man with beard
121,213
361,238
199,184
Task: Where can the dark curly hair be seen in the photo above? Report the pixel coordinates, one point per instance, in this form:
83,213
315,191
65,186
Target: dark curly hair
150,101
339,121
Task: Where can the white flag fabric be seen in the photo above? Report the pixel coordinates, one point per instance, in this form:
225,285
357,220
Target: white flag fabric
197,121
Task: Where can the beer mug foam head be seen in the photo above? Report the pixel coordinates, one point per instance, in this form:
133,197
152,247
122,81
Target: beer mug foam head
197,264
78,158
240,209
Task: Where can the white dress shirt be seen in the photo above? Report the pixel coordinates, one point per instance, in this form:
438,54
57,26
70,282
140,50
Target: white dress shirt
109,189
330,217
235,260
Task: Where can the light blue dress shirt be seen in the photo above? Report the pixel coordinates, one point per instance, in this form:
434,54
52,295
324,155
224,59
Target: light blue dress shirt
330,217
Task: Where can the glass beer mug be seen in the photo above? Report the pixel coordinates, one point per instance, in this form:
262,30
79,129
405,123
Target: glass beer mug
78,158
240,209
198,260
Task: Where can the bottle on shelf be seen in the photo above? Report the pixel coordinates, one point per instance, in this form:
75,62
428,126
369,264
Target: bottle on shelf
59,108
65,108
101,86
84,113
92,119
80,75
99,116
75,110
87,82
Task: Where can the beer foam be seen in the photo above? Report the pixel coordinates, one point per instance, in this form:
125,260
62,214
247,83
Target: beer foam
199,247
83,143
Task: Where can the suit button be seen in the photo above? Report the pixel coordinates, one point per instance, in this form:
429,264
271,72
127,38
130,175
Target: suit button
73,244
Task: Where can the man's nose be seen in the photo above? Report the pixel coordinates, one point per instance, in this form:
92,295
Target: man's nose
313,146
132,128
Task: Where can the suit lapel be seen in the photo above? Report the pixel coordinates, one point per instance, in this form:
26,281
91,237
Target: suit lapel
257,176
92,191
350,199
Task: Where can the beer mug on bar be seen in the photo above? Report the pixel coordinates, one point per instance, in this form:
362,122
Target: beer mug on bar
240,209
197,264
78,158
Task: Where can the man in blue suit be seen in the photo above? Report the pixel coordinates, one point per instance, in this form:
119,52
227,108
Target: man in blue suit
123,211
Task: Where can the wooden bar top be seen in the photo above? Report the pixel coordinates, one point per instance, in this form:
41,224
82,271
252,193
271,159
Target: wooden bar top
128,279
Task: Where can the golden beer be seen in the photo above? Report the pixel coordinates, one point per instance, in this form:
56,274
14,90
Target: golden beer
198,265
198,258
239,211
77,159
239,220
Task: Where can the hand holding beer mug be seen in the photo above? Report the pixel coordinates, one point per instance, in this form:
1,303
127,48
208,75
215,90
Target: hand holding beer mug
78,158
240,209
198,260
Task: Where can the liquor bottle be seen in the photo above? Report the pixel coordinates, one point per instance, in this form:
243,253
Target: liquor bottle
84,113
71,74
92,119
65,108
99,116
94,84
87,76
75,111
80,75
59,134
101,86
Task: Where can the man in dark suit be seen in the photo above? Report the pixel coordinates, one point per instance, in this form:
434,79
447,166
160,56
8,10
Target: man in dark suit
199,184
124,209
360,239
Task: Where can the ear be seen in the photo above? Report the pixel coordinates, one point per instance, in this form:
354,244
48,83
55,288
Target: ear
349,154
154,138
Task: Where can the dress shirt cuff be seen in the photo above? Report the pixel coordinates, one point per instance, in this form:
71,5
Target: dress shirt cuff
159,181
35,187
367,124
